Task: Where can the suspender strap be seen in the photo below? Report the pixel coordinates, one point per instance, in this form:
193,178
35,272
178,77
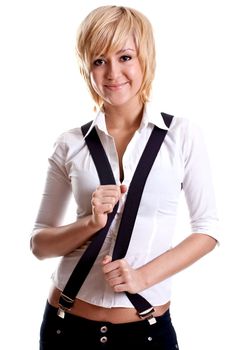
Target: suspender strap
143,307
135,192
131,208
99,156
86,261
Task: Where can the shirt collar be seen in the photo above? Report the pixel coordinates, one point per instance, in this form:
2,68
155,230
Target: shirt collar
151,115
98,121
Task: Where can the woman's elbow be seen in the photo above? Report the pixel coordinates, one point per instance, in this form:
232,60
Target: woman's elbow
35,246
211,242
207,242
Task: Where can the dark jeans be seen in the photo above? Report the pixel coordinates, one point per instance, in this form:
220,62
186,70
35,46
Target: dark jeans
77,333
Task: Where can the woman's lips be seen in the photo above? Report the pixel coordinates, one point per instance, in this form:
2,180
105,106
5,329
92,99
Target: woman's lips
116,86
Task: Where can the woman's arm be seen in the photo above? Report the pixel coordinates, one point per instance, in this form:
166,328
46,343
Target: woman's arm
177,259
122,277
59,241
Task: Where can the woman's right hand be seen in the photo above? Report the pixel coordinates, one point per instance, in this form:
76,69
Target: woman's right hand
103,201
59,241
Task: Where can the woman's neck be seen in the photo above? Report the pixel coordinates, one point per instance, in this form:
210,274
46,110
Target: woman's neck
123,117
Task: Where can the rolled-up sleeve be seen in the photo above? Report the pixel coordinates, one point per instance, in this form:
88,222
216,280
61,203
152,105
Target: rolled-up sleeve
57,189
198,185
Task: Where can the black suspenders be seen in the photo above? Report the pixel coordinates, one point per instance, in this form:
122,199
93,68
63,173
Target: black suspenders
144,308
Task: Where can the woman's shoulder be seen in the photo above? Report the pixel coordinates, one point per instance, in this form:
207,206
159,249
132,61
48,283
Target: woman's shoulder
185,126
70,136
71,139
68,143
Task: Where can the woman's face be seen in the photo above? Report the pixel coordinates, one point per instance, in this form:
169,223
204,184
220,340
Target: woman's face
117,77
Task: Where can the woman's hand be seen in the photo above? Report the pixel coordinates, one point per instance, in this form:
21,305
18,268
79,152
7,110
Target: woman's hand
103,201
121,276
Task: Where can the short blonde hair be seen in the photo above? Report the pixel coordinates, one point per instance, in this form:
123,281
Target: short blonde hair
106,29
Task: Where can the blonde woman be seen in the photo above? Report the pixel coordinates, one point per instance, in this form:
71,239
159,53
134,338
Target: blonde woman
116,55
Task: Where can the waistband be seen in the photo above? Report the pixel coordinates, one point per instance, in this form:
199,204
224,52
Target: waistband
51,312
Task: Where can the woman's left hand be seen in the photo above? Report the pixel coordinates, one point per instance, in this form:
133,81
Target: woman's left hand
121,276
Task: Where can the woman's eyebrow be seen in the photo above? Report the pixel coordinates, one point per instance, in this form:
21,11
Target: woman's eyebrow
123,50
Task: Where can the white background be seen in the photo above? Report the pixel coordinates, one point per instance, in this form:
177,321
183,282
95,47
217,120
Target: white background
42,95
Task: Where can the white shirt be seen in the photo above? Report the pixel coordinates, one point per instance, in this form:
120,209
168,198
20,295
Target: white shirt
181,161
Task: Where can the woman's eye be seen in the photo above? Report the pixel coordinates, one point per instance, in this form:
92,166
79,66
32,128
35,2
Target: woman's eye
98,62
125,58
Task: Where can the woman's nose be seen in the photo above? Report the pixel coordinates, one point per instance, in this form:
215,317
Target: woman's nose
113,70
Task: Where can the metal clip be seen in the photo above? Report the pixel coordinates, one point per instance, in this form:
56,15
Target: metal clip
61,312
148,315
151,319
67,299
62,309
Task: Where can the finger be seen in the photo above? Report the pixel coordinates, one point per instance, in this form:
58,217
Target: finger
107,200
102,209
104,198
120,288
112,274
113,282
107,259
123,189
108,190
113,265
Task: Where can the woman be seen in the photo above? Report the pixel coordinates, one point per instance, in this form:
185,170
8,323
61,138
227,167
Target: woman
116,54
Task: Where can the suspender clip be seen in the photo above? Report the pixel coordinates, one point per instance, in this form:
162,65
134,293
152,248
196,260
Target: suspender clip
148,315
65,303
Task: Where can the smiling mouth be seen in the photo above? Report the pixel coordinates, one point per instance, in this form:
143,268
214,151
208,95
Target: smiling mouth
116,86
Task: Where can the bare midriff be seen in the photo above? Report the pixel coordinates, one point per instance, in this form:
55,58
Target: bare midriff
99,313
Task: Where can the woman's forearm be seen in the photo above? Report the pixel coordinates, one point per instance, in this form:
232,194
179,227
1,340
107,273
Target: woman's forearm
177,259
59,241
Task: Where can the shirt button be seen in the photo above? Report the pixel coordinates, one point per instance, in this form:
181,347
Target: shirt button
103,339
103,329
